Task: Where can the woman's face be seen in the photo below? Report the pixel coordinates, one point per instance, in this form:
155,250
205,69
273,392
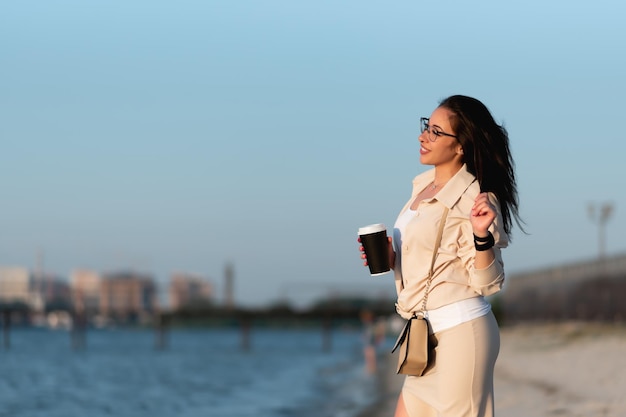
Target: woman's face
445,149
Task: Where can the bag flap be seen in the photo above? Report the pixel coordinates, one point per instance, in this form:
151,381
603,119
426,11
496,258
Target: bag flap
402,335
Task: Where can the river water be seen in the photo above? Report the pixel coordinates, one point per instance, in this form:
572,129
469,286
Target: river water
202,372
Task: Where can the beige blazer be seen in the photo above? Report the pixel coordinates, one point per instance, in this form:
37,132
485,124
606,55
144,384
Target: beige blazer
454,277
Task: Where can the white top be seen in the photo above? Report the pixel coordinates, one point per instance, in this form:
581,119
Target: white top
451,315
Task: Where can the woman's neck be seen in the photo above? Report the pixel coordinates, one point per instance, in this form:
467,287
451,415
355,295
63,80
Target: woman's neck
443,173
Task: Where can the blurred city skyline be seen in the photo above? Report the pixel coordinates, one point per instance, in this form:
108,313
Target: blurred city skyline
218,292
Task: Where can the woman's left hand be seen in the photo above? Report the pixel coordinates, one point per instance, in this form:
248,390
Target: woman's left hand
483,214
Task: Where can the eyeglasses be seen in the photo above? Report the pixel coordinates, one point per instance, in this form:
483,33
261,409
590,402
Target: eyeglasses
433,132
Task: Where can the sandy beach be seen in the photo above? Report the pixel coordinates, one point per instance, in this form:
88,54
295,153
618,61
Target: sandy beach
545,370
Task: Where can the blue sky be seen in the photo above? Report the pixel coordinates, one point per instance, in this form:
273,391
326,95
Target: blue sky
168,136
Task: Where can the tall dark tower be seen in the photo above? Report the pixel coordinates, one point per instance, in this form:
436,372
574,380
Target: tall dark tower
229,284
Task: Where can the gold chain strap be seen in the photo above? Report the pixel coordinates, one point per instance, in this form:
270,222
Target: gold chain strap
432,263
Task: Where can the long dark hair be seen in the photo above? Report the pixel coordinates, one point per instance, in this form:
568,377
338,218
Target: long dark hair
486,153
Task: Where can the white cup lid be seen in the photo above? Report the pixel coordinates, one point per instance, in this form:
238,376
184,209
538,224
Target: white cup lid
372,228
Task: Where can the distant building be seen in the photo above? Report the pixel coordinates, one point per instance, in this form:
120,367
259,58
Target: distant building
15,285
37,292
229,286
85,285
53,290
189,290
127,296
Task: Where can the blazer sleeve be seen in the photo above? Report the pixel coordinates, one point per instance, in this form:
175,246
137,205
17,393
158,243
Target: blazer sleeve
489,280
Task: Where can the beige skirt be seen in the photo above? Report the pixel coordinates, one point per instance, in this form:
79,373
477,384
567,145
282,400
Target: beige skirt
458,381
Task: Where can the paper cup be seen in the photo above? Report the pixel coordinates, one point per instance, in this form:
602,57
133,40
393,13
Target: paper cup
375,244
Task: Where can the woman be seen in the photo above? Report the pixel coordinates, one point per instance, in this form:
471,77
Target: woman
473,177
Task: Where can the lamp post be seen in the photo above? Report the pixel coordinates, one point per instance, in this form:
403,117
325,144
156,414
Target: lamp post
601,215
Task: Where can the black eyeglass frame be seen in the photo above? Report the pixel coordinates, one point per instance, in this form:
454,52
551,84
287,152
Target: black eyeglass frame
424,126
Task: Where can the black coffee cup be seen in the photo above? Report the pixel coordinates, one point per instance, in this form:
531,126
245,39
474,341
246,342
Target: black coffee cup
375,244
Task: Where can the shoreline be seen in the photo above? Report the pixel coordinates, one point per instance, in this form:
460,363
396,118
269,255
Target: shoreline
388,386
574,369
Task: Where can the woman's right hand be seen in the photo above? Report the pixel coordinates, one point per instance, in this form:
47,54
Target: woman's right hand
392,254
